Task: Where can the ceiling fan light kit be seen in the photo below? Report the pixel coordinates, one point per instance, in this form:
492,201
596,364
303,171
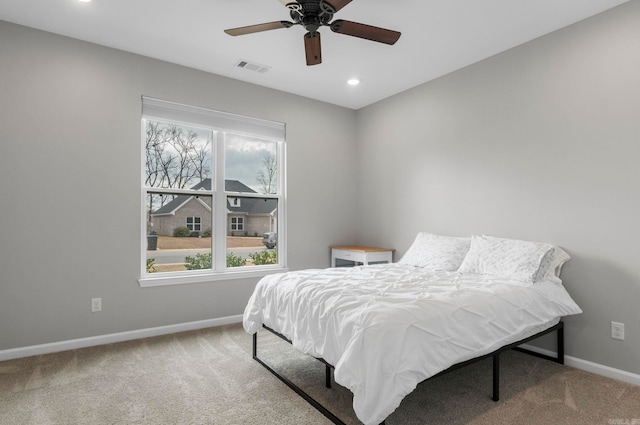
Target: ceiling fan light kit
313,14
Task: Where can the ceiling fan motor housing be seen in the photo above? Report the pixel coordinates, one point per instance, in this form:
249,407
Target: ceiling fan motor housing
311,14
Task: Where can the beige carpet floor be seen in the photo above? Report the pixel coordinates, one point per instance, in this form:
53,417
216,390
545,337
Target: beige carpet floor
209,377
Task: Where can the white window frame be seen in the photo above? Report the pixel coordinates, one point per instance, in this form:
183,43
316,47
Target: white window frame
221,123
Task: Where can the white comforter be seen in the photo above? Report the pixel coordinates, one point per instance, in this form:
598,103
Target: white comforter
388,327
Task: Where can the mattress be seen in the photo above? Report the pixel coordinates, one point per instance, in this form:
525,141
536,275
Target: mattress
387,327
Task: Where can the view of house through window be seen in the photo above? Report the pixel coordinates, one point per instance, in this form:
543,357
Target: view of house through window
212,198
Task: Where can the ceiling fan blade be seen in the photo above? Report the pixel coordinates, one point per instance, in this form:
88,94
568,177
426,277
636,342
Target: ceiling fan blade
312,48
337,4
368,32
259,27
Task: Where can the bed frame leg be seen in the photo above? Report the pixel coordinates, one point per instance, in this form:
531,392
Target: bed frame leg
496,377
327,376
560,336
255,346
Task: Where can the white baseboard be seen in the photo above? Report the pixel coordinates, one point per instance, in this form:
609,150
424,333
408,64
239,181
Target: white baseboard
598,369
73,344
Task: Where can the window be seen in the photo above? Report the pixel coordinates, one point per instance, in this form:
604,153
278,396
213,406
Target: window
213,184
237,223
193,224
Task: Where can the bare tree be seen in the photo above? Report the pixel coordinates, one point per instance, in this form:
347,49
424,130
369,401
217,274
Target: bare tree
267,177
174,158
153,149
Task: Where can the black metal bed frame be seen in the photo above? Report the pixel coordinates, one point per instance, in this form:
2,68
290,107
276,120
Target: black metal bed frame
559,327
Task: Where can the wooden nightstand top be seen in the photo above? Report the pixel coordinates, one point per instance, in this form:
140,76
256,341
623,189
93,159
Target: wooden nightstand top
360,248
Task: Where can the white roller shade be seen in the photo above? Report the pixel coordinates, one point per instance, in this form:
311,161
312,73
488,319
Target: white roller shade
171,111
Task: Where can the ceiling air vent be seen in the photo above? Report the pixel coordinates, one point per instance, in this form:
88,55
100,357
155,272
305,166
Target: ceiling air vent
252,66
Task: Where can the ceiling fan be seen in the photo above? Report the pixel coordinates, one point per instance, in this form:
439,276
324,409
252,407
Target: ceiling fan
313,14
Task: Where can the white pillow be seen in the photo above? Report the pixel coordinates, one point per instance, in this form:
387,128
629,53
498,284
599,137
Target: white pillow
558,259
509,258
436,252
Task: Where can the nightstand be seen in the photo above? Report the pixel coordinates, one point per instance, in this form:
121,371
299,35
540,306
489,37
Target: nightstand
360,254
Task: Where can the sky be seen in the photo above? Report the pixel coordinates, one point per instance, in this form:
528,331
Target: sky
244,159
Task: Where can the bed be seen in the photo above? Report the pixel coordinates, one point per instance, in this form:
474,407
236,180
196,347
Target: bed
385,328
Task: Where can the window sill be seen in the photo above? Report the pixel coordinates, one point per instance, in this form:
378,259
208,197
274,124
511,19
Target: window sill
164,279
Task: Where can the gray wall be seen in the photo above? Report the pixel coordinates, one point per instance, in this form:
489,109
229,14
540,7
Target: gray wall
70,171
542,143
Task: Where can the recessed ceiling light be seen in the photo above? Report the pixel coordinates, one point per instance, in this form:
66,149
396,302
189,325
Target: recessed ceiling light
85,1
353,82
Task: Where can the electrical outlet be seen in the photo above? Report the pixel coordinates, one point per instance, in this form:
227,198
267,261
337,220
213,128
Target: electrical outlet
617,330
96,304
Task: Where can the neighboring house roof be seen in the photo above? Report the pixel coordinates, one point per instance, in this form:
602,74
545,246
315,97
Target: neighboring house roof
247,205
232,186
254,206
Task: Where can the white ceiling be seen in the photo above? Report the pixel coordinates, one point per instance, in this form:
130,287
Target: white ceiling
438,37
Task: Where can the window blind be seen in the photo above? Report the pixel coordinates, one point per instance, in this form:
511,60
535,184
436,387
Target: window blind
225,121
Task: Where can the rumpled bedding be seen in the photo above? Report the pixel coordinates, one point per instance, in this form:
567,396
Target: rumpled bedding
387,327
